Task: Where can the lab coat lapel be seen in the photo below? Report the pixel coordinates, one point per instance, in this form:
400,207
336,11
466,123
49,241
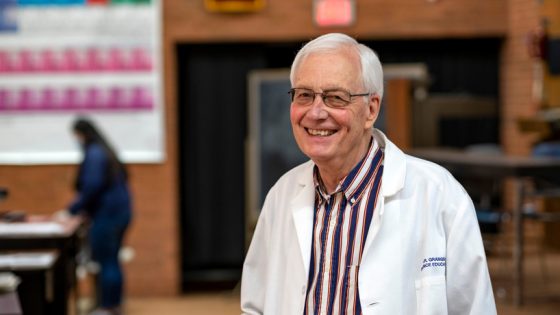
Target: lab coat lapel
392,181
302,213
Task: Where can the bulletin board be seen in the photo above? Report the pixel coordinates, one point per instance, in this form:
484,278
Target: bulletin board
60,59
272,149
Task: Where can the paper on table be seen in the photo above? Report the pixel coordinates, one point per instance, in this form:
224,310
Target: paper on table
35,228
8,282
23,260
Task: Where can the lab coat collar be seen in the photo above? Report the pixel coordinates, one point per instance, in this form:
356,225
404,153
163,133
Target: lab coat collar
302,211
394,164
394,171
394,167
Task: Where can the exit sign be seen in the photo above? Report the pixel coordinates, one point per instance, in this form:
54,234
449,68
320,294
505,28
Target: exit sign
334,12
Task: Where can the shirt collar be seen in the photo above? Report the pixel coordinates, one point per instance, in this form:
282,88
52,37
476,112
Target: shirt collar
355,182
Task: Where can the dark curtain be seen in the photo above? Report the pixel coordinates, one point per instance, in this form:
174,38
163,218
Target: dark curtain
212,123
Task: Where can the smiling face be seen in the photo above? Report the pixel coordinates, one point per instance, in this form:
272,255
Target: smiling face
333,137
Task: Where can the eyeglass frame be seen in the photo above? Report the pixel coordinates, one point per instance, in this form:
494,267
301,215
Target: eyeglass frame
324,96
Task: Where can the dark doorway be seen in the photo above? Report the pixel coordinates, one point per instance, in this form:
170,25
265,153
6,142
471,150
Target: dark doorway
212,125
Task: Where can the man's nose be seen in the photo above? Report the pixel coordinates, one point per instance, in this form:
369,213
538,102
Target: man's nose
318,108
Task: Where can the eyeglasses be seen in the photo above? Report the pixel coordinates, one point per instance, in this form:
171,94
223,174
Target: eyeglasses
331,98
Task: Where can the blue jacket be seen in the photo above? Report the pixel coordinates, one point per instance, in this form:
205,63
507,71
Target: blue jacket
97,195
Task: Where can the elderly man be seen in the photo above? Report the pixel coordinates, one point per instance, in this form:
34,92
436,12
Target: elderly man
362,228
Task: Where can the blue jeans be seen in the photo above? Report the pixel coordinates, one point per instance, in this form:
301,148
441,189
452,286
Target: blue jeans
106,236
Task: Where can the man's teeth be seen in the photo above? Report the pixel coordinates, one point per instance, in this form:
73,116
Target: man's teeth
323,133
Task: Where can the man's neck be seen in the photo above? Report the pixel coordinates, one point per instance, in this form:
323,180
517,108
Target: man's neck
332,172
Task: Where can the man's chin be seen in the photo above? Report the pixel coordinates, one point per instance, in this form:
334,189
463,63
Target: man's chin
319,157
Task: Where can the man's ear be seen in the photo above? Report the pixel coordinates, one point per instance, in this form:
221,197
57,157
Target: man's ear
373,107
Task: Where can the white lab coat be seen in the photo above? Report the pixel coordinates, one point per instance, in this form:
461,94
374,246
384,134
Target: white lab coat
422,216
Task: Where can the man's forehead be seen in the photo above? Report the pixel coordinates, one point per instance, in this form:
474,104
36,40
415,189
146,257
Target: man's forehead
328,70
340,52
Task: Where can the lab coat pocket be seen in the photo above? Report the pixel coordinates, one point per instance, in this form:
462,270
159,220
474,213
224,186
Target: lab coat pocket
431,296
368,304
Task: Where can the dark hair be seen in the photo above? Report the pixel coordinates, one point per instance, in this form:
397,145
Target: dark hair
91,134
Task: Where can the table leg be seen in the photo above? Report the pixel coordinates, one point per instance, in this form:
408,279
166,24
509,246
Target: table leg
518,243
61,278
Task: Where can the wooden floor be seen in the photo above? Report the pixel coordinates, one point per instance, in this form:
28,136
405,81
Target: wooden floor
542,294
219,303
542,291
542,297
541,274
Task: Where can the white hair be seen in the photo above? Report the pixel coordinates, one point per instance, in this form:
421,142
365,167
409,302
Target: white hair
372,72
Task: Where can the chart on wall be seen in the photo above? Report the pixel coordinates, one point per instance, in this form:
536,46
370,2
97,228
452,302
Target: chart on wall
63,59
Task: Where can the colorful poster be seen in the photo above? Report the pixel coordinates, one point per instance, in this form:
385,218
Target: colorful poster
60,59
8,11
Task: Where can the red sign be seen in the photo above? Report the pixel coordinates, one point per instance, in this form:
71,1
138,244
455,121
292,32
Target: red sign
334,12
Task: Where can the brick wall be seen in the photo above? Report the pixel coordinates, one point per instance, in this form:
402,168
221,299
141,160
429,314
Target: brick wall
154,234
292,19
517,75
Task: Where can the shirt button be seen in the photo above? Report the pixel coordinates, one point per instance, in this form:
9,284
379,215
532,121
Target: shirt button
352,200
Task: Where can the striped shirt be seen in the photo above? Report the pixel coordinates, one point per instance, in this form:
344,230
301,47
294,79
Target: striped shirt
340,226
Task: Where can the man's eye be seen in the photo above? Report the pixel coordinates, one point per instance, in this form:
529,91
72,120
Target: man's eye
337,96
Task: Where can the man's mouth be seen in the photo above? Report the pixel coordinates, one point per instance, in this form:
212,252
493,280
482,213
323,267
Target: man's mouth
320,132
